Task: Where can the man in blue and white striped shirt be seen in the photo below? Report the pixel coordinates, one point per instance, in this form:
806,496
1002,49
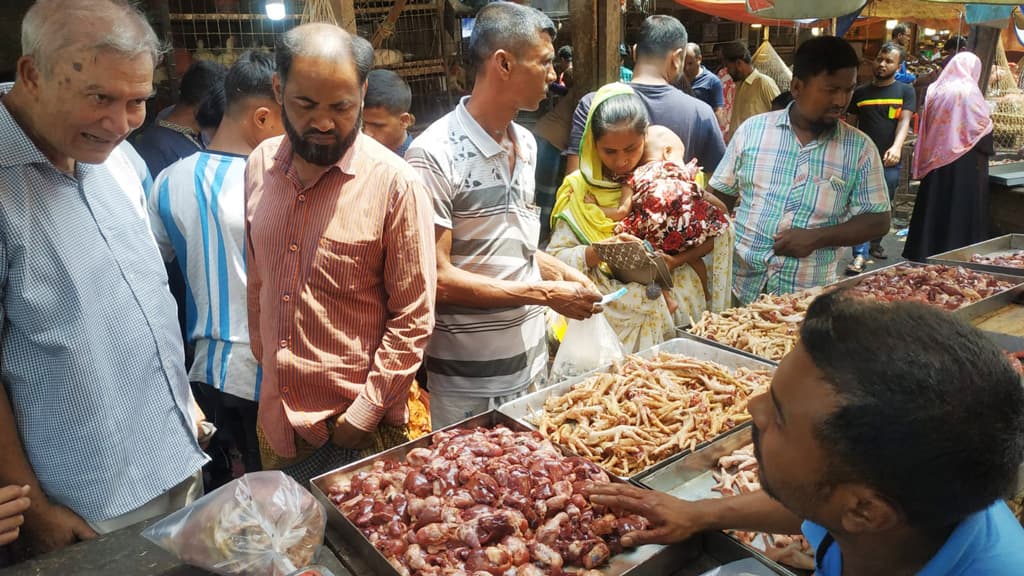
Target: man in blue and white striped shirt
197,211
96,416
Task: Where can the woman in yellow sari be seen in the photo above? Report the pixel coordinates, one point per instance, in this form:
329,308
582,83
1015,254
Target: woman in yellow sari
611,148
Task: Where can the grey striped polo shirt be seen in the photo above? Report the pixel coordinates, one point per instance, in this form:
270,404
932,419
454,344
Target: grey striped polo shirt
495,230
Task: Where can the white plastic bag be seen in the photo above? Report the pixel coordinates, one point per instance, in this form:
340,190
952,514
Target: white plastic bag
587,345
262,523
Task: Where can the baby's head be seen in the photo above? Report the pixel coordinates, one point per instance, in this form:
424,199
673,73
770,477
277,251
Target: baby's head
663,144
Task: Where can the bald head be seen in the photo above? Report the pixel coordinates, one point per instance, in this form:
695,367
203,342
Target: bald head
663,144
321,41
52,28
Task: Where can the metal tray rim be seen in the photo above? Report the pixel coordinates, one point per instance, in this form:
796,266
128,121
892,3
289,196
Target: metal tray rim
958,256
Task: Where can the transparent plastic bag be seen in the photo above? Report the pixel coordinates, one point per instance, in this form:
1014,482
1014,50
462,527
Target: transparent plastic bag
262,523
587,344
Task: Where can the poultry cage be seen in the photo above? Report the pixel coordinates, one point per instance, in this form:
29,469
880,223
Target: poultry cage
220,30
1007,103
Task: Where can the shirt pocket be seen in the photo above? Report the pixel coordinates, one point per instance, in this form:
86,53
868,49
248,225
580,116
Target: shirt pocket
828,207
345,267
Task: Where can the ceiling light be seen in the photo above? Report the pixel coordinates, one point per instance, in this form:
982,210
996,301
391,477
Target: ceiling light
275,9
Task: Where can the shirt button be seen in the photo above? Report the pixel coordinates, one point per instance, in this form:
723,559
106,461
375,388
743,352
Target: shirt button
302,197
285,298
283,343
284,388
293,247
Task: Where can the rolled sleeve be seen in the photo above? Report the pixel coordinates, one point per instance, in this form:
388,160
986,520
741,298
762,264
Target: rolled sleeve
410,278
726,176
438,184
869,194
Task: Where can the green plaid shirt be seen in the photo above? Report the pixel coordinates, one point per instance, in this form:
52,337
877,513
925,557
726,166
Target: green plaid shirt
782,184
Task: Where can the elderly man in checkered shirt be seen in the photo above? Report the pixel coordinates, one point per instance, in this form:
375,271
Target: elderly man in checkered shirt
96,416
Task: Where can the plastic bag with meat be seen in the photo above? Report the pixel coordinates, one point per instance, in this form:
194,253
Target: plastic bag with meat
262,523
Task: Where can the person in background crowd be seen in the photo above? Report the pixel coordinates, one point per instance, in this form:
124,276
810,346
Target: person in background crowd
552,134
873,491
563,71
493,283
14,502
782,101
179,135
660,48
901,36
88,327
882,110
625,73
205,186
386,116
754,90
210,112
806,182
728,92
341,300
706,86
951,159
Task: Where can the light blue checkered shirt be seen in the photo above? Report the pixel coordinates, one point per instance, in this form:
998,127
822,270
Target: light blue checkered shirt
91,354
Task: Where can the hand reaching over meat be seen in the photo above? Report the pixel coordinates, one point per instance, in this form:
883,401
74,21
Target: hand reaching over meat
485,502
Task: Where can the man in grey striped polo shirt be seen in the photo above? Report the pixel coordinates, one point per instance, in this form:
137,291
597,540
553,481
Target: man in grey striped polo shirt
96,416
493,283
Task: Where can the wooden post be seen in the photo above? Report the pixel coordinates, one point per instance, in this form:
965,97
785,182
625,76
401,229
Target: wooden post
583,19
609,36
345,13
983,41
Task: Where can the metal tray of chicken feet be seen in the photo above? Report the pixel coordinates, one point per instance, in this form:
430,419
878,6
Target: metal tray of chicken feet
693,478
968,312
525,409
649,560
1000,246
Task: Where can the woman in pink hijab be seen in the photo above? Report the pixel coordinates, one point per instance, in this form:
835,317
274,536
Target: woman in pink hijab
951,160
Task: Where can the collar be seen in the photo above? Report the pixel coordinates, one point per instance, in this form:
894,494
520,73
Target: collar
16,148
283,156
477,135
753,74
784,120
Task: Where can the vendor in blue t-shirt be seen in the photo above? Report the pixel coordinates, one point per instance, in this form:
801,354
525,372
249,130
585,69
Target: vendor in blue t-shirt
889,436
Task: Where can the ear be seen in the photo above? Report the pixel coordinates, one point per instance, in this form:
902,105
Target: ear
795,86
407,119
278,88
504,61
366,84
260,116
28,74
666,152
864,510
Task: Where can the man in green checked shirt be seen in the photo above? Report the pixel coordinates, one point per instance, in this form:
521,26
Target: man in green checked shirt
807,184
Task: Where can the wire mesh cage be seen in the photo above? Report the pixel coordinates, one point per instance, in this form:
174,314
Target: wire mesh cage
768,62
409,38
1007,103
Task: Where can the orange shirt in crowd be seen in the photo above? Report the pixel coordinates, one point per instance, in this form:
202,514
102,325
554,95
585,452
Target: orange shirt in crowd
341,288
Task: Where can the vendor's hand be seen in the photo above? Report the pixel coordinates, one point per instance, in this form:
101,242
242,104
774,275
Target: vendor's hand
346,435
796,242
50,527
14,501
891,157
672,520
572,299
589,199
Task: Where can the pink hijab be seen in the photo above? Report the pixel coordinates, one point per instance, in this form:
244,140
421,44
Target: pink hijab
955,117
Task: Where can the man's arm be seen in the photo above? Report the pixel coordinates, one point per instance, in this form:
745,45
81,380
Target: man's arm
579,124
410,280
894,154
253,282
461,288
724,183
800,242
675,520
157,199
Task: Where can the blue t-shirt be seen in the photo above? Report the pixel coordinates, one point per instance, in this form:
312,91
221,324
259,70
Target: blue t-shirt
989,542
708,88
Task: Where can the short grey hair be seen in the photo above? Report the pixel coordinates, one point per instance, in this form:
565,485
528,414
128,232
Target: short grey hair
694,49
52,26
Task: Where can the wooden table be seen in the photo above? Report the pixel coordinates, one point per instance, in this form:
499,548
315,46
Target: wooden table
1007,320
125,553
